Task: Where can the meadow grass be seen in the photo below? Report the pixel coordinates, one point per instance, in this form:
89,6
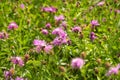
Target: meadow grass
100,52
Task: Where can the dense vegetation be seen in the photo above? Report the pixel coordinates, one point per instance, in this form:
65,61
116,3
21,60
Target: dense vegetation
59,39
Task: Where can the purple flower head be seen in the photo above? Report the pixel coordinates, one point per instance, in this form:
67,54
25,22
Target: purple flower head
17,60
117,11
49,9
64,40
92,36
38,49
22,6
59,18
59,32
48,25
48,48
7,74
77,63
94,23
12,26
40,43
60,40
64,24
44,31
112,70
101,3
57,41
61,36
76,29
3,35
19,78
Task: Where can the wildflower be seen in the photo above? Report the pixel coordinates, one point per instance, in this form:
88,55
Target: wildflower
61,36
3,35
65,40
117,11
17,60
49,9
40,43
112,70
38,49
64,24
107,64
62,68
26,57
76,29
59,32
96,70
92,36
48,48
44,31
77,63
118,66
60,40
12,26
48,25
12,71
59,18
7,74
22,6
94,23
57,41
83,55
69,42
101,3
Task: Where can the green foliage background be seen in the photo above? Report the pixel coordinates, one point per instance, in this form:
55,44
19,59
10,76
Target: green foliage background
31,19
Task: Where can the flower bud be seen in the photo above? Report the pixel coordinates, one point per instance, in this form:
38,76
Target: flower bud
96,70
81,35
62,68
99,61
12,71
105,37
107,65
26,57
83,55
28,21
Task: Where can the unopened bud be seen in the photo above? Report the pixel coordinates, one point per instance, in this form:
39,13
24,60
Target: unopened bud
107,64
28,21
98,60
100,41
26,57
96,70
12,47
78,4
116,1
12,71
81,35
105,37
83,55
74,19
62,68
